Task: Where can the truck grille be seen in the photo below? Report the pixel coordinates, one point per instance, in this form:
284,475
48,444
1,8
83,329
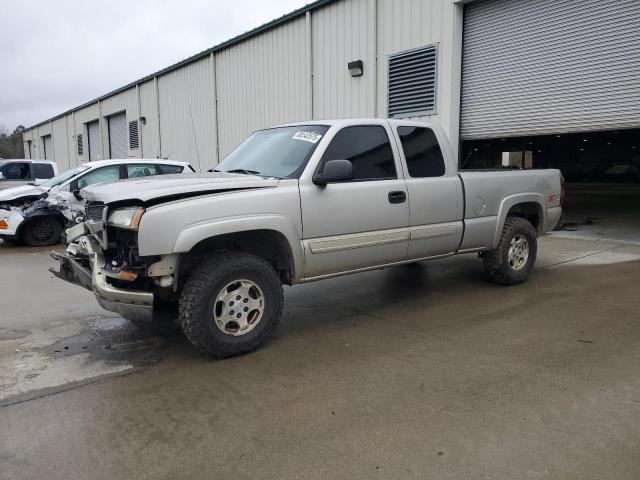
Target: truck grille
94,212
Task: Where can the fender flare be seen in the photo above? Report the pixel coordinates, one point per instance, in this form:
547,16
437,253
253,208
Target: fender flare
509,202
194,234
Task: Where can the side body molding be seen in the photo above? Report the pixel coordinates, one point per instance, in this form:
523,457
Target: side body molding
512,200
193,234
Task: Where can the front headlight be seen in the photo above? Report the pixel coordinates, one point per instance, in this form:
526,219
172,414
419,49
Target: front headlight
128,218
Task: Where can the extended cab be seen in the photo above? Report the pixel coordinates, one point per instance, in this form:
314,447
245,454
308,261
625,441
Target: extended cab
293,204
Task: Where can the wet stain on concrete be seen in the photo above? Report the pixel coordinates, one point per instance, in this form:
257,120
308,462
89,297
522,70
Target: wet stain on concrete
114,341
75,352
8,334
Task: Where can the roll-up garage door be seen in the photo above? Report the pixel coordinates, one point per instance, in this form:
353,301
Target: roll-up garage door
93,138
533,67
48,148
118,136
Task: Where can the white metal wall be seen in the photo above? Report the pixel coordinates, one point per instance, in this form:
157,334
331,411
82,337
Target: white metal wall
187,114
261,82
344,32
292,72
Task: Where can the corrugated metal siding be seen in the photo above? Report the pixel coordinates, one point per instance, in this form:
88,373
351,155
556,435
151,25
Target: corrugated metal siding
533,67
59,134
187,115
148,131
265,80
343,32
262,82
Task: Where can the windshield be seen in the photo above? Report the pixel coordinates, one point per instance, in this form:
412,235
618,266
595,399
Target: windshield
279,152
63,177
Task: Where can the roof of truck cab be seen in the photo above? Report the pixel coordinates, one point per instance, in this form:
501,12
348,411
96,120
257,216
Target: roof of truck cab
349,121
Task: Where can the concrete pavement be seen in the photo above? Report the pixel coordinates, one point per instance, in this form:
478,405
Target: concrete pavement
422,371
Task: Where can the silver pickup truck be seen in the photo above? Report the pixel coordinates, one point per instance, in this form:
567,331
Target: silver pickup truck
293,204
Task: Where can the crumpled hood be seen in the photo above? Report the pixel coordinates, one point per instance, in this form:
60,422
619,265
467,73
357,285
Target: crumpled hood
149,190
15,193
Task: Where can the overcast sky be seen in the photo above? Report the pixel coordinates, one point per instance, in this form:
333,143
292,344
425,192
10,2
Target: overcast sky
59,54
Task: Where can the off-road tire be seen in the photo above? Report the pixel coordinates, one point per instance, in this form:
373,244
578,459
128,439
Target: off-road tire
42,232
496,262
199,295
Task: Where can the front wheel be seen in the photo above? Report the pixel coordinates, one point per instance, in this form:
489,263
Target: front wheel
231,304
42,232
513,260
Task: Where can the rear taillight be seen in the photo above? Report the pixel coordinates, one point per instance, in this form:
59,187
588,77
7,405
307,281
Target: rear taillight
562,190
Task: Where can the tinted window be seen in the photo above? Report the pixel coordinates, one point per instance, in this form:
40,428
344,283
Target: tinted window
43,170
136,171
16,171
104,174
169,169
422,152
368,149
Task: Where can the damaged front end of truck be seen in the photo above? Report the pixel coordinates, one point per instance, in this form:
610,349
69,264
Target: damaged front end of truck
102,256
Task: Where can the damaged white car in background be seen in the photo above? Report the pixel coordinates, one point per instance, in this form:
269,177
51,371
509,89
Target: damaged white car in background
37,215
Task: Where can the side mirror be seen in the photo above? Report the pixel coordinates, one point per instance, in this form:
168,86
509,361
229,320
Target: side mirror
76,193
334,171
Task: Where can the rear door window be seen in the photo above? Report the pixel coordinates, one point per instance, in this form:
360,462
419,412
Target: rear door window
422,152
169,169
367,147
137,171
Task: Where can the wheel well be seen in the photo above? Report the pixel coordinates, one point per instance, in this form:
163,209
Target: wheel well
267,244
529,210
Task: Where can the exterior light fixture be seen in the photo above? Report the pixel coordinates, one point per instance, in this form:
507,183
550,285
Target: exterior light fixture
356,68
143,120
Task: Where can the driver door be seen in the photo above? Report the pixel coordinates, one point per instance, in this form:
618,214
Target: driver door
360,223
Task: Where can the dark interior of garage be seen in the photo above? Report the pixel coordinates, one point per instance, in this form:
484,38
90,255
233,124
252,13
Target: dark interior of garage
612,156
602,171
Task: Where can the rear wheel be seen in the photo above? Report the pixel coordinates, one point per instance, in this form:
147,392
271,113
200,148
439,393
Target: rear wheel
514,258
231,304
42,232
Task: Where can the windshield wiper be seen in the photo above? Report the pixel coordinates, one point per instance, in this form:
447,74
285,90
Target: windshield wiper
243,171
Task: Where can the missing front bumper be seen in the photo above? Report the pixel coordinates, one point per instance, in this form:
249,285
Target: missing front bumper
83,264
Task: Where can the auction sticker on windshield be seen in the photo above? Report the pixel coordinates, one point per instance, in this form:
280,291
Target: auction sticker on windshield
307,136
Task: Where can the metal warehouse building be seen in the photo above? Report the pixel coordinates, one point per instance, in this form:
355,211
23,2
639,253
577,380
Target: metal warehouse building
518,82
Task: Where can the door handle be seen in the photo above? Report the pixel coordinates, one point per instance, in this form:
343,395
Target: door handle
397,197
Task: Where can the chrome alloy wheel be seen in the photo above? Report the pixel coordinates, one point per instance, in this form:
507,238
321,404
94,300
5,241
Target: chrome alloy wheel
238,308
518,252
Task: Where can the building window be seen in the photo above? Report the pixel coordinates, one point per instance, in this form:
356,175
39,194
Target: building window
412,82
134,138
80,145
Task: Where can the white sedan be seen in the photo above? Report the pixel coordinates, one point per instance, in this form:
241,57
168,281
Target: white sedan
38,214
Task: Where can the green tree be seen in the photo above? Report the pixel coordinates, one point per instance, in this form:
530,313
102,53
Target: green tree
11,144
